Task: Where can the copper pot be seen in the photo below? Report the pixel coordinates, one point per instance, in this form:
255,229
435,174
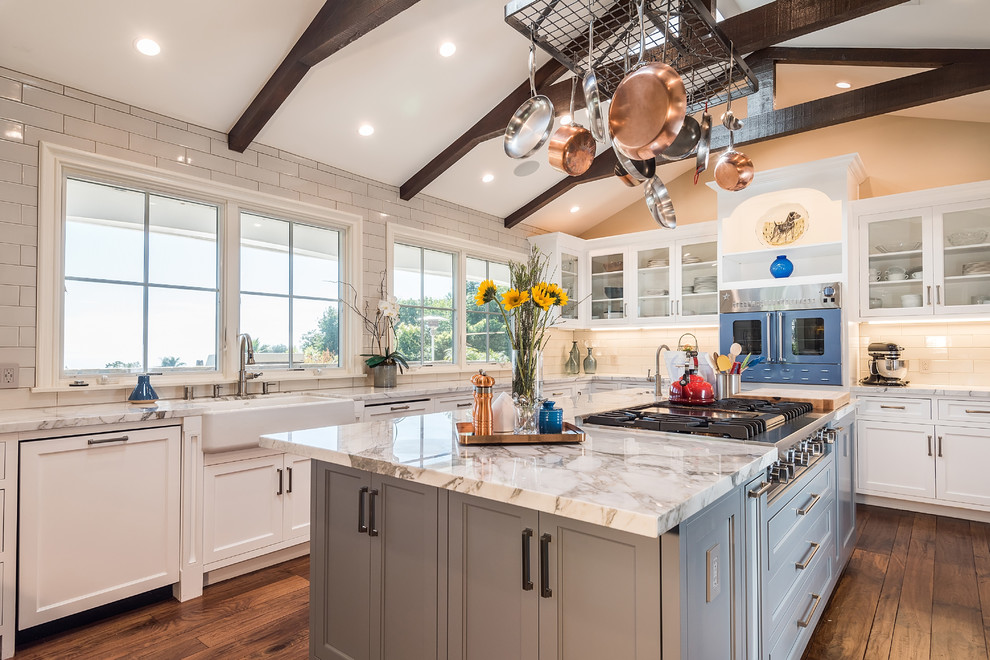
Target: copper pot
572,147
648,107
734,170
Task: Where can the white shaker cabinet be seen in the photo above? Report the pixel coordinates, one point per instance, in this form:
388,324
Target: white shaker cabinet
99,520
251,503
895,459
962,456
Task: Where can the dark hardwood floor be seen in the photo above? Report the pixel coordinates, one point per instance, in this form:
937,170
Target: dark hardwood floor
917,587
260,615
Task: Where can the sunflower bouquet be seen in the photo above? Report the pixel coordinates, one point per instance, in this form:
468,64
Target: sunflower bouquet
528,311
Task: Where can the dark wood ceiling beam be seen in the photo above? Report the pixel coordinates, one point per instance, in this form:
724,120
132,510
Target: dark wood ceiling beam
782,20
946,82
890,57
338,23
748,31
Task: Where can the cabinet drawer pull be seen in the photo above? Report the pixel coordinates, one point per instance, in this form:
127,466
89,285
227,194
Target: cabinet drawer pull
466,404
940,446
938,294
103,441
929,445
892,407
393,408
811,615
556,394
372,526
801,565
764,487
929,295
279,491
289,489
968,412
807,509
527,578
362,525
545,590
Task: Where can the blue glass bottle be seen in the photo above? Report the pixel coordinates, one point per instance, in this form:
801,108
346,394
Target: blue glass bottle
781,267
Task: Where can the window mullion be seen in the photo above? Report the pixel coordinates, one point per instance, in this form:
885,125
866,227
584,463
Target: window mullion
147,275
291,243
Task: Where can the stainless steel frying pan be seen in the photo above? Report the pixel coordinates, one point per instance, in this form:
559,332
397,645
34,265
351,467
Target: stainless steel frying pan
532,123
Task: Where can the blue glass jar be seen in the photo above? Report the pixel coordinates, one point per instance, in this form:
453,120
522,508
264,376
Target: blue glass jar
143,392
551,419
781,267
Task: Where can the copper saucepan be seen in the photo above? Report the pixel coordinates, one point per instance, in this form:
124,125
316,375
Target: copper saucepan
572,147
734,169
648,106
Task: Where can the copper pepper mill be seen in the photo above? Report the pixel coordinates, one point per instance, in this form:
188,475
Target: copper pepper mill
482,403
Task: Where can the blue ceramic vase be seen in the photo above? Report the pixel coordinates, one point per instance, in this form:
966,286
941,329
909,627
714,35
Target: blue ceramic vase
781,267
143,392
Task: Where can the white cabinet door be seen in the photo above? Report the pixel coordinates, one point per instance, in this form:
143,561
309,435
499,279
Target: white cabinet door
962,456
895,459
99,520
896,264
960,246
295,502
696,280
243,506
610,286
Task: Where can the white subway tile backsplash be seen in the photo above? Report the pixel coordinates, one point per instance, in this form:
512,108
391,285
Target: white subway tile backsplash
156,147
125,121
8,336
256,173
218,147
337,195
10,89
223,177
18,233
352,185
29,215
97,132
16,151
210,161
14,316
26,336
190,169
9,295
18,193
279,165
10,172
157,118
30,115
317,176
183,137
12,131
28,298
96,100
33,135
299,185
125,154
276,190
56,102
10,212
299,160
9,253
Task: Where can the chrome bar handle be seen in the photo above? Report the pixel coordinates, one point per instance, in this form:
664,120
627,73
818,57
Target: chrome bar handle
801,565
938,294
973,412
770,357
929,295
780,338
814,500
811,615
103,441
758,492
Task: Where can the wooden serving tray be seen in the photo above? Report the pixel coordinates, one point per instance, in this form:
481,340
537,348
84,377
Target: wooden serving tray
466,436
822,400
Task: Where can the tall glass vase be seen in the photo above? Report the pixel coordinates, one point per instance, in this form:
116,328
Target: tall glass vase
527,383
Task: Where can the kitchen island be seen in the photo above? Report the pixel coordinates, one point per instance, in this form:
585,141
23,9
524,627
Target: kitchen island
629,545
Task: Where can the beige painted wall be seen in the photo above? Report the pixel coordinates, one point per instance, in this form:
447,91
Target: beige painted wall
901,154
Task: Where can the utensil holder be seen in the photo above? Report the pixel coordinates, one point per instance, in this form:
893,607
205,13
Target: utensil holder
727,385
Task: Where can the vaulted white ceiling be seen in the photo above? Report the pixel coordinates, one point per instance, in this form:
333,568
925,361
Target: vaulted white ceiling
216,55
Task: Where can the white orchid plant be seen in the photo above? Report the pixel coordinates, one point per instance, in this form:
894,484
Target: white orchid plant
381,327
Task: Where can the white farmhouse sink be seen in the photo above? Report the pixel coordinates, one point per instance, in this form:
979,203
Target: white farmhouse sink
236,424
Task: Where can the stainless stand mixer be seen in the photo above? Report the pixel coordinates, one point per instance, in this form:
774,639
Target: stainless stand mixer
887,369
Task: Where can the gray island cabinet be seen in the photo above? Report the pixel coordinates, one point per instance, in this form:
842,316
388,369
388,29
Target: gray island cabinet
628,545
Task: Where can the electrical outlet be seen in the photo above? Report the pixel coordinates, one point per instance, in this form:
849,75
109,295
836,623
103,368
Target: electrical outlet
8,376
714,581
924,366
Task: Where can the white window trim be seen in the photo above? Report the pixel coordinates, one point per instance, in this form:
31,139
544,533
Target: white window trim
462,249
58,161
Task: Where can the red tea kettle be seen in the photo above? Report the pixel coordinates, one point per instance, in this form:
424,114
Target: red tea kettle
691,389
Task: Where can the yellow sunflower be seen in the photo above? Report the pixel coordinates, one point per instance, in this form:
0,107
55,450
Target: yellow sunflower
512,299
558,293
542,297
486,293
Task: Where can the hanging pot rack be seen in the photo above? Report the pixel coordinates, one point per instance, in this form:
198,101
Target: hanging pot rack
697,49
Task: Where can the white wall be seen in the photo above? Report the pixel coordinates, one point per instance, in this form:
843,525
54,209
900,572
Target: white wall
33,110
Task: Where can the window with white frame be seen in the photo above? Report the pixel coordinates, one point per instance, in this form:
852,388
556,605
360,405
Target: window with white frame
140,281
290,291
423,283
485,326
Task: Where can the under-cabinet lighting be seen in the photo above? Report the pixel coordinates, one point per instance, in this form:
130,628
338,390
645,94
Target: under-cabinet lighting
978,319
366,130
653,327
147,47
488,178
842,84
447,49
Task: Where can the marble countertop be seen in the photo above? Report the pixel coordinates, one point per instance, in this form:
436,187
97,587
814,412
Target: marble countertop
411,390
43,419
974,391
636,481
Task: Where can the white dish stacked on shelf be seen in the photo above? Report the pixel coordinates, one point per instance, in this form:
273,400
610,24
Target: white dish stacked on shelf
687,288
706,284
656,263
961,238
911,300
976,268
691,260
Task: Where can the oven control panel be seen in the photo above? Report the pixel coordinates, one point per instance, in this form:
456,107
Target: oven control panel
780,298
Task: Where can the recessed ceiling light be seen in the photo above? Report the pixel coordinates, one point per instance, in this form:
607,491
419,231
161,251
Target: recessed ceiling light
366,129
488,178
447,49
842,84
565,120
147,47
575,209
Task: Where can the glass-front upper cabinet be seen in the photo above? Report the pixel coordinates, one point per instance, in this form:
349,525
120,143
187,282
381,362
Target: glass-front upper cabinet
698,278
896,263
962,257
570,283
653,283
607,286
